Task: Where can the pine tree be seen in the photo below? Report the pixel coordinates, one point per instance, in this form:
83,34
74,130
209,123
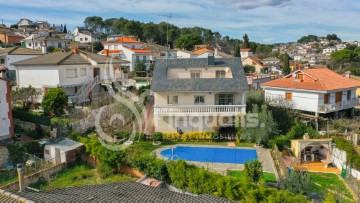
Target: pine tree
246,41
286,68
65,29
237,51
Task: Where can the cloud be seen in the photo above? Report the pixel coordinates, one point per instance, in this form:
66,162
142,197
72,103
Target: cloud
267,40
252,4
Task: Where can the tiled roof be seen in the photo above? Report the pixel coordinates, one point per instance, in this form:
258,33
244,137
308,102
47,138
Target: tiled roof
122,40
138,50
67,58
245,50
111,51
258,61
202,50
20,51
116,192
317,79
160,82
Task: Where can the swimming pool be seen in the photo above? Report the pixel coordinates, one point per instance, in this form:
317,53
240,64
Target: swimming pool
211,154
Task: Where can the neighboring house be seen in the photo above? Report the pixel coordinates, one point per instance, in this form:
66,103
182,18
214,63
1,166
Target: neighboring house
198,94
25,24
14,54
340,47
315,90
246,52
10,39
329,50
272,61
83,36
158,51
43,43
6,124
62,151
42,24
128,191
182,53
260,66
299,58
69,70
129,49
205,52
255,80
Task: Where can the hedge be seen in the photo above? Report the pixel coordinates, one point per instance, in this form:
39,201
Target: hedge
190,136
29,117
352,157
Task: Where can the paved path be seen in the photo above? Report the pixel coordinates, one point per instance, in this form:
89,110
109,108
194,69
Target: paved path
267,161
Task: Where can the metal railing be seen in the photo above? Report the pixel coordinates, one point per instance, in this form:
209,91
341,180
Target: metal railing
83,92
201,109
325,108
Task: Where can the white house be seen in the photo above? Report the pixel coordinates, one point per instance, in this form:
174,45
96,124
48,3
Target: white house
83,36
299,58
63,151
246,52
158,51
207,51
181,53
129,49
260,66
198,94
315,90
69,70
25,24
43,42
340,47
6,124
14,54
329,50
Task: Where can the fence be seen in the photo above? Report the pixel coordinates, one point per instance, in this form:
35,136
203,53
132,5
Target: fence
27,116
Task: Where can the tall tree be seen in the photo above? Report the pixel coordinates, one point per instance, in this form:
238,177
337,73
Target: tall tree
188,41
286,68
65,29
237,51
93,23
246,41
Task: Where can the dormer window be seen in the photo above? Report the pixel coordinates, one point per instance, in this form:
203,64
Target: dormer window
220,74
300,76
195,74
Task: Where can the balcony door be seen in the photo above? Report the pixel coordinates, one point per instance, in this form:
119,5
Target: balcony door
225,99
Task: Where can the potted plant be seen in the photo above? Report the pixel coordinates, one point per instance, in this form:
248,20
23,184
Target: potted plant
157,138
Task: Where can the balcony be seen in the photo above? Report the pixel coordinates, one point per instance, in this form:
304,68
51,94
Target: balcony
327,108
202,110
141,61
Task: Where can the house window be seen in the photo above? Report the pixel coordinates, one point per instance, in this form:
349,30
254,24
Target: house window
338,97
133,46
86,39
288,96
220,74
59,44
348,95
82,71
226,99
80,39
137,58
2,61
29,44
172,99
300,76
199,100
47,151
195,74
326,98
144,59
71,73
36,44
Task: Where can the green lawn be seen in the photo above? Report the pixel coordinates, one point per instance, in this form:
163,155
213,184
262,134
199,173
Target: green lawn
79,175
244,144
267,177
328,181
7,177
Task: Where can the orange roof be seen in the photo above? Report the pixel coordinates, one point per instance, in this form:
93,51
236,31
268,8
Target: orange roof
122,40
318,79
258,61
111,51
139,50
202,50
245,50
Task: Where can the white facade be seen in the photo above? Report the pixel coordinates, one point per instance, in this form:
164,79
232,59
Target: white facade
37,44
185,54
5,111
245,54
329,50
313,101
82,37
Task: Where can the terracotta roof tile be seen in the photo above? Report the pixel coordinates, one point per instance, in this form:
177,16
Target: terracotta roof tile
202,50
139,50
318,79
122,40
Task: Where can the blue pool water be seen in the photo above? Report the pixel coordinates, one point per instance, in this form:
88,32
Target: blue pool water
211,154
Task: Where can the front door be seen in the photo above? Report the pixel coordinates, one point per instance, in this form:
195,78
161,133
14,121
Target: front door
96,72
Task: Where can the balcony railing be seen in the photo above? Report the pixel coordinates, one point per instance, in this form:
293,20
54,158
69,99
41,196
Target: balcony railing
199,109
326,108
140,61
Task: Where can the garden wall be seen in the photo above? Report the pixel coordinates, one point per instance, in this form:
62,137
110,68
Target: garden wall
34,178
28,126
339,159
4,156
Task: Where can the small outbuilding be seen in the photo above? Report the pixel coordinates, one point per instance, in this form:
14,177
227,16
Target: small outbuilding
64,150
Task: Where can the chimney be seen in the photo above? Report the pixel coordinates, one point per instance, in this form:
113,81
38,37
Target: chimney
75,50
20,171
306,136
106,52
347,74
44,49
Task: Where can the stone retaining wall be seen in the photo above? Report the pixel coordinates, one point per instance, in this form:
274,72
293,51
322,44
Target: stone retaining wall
28,126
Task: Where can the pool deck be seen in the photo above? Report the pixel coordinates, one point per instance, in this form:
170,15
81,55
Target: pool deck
263,154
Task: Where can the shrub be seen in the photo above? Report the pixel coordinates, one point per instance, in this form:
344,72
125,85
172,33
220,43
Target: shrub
104,170
55,101
352,156
17,151
123,135
158,136
190,136
140,136
298,182
253,171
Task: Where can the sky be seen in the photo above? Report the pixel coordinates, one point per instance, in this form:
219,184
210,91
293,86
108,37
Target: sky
265,21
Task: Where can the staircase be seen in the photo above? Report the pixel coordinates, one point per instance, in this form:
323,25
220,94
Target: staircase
83,93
